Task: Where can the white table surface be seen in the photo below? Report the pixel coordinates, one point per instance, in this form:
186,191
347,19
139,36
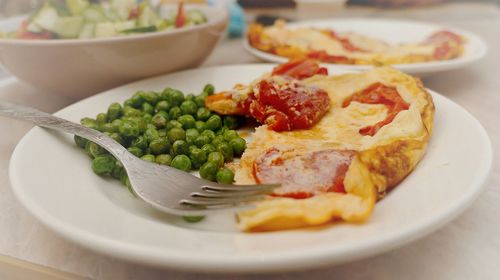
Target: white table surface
466,248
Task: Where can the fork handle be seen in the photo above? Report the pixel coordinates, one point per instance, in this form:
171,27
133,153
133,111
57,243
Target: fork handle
43,119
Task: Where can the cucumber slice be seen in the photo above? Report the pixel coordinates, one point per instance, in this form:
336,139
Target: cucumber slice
95,13
196,16
124,25
105,29
68,27
146,29
87,31
76,7
147,16
34,28
122,7
46,17
164,24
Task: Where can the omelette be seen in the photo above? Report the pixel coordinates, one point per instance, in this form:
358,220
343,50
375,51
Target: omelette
336,143
329,46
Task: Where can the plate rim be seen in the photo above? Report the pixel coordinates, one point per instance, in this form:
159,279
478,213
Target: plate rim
295,260
421,67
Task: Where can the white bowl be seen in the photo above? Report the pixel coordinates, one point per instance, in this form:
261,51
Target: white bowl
83,67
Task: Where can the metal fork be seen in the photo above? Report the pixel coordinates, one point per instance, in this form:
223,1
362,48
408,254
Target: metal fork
165,188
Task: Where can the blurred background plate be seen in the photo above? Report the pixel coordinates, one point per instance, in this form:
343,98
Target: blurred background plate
394,32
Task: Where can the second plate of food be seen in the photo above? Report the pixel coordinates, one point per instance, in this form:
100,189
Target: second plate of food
357,44
52,178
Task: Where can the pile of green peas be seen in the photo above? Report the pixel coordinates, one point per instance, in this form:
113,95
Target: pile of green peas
167,128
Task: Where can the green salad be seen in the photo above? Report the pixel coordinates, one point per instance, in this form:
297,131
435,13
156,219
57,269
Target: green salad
167,128
72,19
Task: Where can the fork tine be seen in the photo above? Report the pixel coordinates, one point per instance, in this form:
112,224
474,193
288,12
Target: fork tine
226,194
207,202
240,188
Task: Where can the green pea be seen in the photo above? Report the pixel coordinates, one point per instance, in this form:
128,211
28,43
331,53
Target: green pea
148,108
141,123
209,89
218,140
90,123
103,165
140,142
159,146
210,134
176,97
166,94
129,111
116,125
124,178
150,126
150,97
208,148
162,106
200,126
239,145
106,127
164,159
191,135
217,158
101,118
80,141
189,97
221,131
114,111
231,122
224,176
198,157
147,117
193,219
230,134
159,121
136,100
136,151
208,170
226,150
200,100
213,123
187,121
180,147
117,170
203,114
96,150
191,148
176,134
201,140
162,132
174,113
188,107
149,157
181,162
164,114
115,136
173,123
129,129
150,134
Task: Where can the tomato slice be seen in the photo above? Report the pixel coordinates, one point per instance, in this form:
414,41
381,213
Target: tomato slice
299,69
379,93
180,19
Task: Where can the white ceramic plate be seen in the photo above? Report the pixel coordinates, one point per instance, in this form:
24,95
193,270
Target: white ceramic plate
53,180
394,32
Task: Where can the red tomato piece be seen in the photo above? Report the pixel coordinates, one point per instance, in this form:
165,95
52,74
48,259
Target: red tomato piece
180,19
379,93
299,69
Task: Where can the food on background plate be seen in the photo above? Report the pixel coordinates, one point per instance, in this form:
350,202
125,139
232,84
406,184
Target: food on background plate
85,19
351,150
328,46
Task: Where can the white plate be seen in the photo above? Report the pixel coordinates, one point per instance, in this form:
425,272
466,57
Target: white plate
53,180
394,32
